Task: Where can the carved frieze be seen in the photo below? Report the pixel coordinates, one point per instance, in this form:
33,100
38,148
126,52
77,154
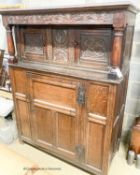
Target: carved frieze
61,18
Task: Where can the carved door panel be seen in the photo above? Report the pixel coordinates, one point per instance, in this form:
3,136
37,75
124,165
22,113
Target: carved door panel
33,43
93,48
18,77
55,113
95,124
62,45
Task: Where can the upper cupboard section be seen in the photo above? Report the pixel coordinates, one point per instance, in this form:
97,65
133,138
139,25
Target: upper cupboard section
80,46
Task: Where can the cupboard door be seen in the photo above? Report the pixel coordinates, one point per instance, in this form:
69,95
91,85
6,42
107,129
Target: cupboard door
19,82
33,44
93,48
55,114
62,45
96,122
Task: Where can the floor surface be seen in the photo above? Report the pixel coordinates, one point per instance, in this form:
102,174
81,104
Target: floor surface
57,167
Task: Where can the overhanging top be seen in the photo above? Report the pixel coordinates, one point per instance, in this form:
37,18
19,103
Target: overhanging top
76,8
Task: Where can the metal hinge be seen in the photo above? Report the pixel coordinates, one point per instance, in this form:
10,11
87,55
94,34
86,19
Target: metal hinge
81,94
80,152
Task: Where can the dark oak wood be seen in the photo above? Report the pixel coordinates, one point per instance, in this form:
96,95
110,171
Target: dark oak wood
67,100
1,59
10,44
1,65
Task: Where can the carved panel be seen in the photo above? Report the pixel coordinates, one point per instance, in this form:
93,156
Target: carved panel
60,45
62,18
93,47
33,43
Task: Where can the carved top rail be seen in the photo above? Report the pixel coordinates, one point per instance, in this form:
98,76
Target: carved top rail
105,14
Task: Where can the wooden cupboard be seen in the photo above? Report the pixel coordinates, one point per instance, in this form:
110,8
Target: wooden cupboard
69,79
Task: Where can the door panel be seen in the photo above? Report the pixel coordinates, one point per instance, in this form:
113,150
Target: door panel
98,99
24,119
93,48
55,113
19,81
62,49
66,132
94,147
33,43
58,95
43,122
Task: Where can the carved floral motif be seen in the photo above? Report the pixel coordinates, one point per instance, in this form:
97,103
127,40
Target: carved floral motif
61,18
93,47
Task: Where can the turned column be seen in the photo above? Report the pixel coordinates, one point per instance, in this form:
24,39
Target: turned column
10,44
117,48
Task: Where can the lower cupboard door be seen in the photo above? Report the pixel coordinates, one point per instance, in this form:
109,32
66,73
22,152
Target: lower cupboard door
55,131
55,114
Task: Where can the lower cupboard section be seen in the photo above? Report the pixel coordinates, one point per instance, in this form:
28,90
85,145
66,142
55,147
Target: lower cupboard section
58,133
66,117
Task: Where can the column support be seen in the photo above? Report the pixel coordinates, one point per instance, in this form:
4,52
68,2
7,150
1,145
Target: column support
10,44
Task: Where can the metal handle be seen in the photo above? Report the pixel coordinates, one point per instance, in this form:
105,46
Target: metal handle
81,95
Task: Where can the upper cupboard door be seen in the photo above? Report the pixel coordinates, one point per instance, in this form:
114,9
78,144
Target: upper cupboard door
62,50
93,48
33,44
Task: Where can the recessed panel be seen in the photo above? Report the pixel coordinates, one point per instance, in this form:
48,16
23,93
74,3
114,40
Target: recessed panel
44,124
20,81
23,116
54,94
33,43
66,138
98,99
95,141
93,48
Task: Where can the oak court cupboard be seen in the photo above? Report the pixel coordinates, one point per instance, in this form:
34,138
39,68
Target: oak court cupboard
69,79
